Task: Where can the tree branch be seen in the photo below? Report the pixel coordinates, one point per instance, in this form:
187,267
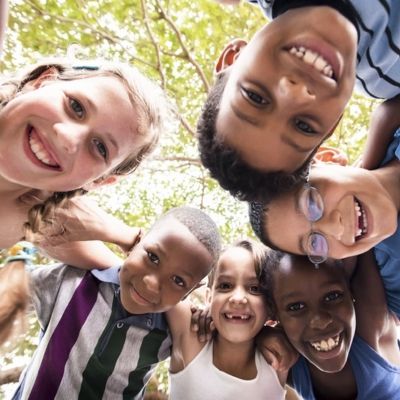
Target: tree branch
189,57
154,42
115,40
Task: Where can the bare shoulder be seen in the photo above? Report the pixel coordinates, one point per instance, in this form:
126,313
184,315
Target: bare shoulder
185,343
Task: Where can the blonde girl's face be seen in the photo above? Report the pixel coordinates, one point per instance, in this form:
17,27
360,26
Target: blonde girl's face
61,135
238,308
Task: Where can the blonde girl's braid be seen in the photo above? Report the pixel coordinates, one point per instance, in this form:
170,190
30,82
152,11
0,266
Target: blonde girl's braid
41,215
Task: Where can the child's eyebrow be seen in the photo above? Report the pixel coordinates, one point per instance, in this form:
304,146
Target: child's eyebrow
112,141
223,276
158,248
244,117
286,139
290,296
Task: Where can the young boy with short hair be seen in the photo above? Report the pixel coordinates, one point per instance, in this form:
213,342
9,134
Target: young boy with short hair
104,331
280,96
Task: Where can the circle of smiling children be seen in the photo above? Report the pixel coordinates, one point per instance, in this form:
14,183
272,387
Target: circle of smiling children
104,330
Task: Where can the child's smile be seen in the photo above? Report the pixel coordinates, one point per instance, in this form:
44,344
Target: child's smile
237,306
316,311
287,88
61,135
358,213
316,60
40,151
329,346
162,268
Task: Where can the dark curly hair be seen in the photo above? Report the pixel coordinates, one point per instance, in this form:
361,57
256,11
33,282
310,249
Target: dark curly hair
199,224
272,264
258,215
226,165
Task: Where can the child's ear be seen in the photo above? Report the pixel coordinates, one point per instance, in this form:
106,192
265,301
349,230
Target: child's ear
330,155
109,180
50,74
208,295
271,322
229,54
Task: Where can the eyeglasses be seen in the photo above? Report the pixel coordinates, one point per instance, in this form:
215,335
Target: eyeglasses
311,205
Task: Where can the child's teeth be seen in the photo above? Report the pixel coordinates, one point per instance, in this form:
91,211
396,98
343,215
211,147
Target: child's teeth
320,64
312,58
326,345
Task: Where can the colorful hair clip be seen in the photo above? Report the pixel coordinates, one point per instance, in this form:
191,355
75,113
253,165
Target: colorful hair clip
86,67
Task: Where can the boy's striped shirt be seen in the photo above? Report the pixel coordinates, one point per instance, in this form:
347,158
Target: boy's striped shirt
91,348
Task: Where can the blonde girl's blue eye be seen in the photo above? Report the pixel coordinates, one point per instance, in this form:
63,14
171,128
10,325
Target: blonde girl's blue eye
77,108
101,148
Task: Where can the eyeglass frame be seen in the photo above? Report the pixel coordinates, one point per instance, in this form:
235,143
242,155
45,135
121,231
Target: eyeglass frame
315,259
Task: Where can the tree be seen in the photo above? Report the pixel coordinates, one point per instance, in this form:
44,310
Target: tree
176,43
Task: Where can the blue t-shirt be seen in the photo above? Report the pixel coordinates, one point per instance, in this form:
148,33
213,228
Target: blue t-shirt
378,54
387,252
376,379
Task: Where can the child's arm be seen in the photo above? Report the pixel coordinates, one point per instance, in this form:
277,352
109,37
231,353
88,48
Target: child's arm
385,119
202,323
375,322
185,345
278,352
76,231
84,255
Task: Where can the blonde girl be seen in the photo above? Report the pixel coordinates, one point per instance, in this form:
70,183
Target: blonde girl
66,129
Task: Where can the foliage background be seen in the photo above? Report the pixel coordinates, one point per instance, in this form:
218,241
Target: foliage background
176,43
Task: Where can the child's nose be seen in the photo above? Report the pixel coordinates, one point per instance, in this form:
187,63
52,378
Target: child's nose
332,224
320,320
238,297
295,90
70,136
152,283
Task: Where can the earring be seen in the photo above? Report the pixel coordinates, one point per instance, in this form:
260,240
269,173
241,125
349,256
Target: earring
354,300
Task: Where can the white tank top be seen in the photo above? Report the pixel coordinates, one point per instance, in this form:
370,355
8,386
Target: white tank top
201,380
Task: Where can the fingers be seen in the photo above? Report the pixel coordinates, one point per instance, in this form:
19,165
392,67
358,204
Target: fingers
201,322
270,358
194,326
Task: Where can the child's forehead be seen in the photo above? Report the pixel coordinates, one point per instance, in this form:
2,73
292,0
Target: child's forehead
299,267
238,263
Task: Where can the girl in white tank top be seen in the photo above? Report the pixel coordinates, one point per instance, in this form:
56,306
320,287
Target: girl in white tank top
229,366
